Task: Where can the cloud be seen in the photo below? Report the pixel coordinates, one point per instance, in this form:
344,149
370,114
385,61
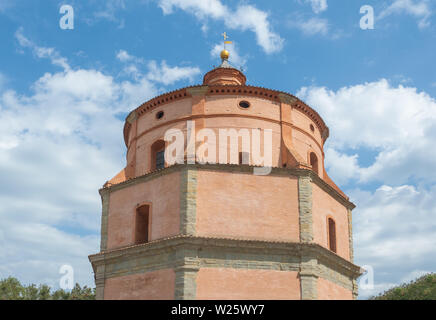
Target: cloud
395,232
111,7
318,6
235,58
396,123
124,56
157,73
49,187
58,145
341,166
394,224
311,26
245,17
419,9
168,75
42,52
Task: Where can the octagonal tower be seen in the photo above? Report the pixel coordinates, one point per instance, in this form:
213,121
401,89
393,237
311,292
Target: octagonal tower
218,231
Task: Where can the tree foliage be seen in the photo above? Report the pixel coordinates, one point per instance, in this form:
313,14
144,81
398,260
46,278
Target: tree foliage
12,289
423,288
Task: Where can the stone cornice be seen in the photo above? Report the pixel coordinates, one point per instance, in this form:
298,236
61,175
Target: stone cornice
236,168
240,90
201,252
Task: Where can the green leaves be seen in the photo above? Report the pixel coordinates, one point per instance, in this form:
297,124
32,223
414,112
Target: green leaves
12,289
423,288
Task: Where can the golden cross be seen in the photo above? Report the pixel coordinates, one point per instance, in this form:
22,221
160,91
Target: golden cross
225,39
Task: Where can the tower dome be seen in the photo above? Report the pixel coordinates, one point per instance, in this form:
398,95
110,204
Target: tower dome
225,74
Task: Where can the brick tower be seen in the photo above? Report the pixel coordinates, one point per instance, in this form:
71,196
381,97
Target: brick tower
218,231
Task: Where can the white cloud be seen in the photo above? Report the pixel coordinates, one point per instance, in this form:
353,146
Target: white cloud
395,232
42,52
245,17
419,9
318,6
111,7
394,226
158,73
397,123
235,58
341,166
124,56
168,75
311,26
58,145
48,183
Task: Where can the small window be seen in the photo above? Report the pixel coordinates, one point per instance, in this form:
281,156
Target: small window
244,104
142,224
332,234
160,115
314,162
158,155
312,128
160,160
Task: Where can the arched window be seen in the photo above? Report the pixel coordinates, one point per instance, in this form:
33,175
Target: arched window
314,162
331,234
158,155
142,224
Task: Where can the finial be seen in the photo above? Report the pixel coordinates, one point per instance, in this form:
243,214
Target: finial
225,54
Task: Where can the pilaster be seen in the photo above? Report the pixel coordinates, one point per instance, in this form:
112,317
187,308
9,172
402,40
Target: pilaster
105,194
188,201
305,208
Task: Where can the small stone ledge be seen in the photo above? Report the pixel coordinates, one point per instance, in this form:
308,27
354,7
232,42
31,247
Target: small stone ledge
234,168
203,252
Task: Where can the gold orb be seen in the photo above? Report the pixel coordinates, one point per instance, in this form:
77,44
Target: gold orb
225,55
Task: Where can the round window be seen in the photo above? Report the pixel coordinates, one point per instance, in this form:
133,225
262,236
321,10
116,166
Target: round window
244,104
160,115
312,128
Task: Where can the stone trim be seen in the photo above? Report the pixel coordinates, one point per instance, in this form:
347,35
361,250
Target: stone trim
305,208
198,91
308,275
234,168
100,277
188,201
287,98
355,289
105,195
186,283
350,233
131,117
187,254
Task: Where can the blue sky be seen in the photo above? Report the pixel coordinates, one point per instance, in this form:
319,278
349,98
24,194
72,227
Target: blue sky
64,95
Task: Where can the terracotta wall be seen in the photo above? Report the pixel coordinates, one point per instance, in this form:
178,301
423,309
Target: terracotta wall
164,195
325,206
223,112
228,284
247,206
156,285
330,291
229,104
